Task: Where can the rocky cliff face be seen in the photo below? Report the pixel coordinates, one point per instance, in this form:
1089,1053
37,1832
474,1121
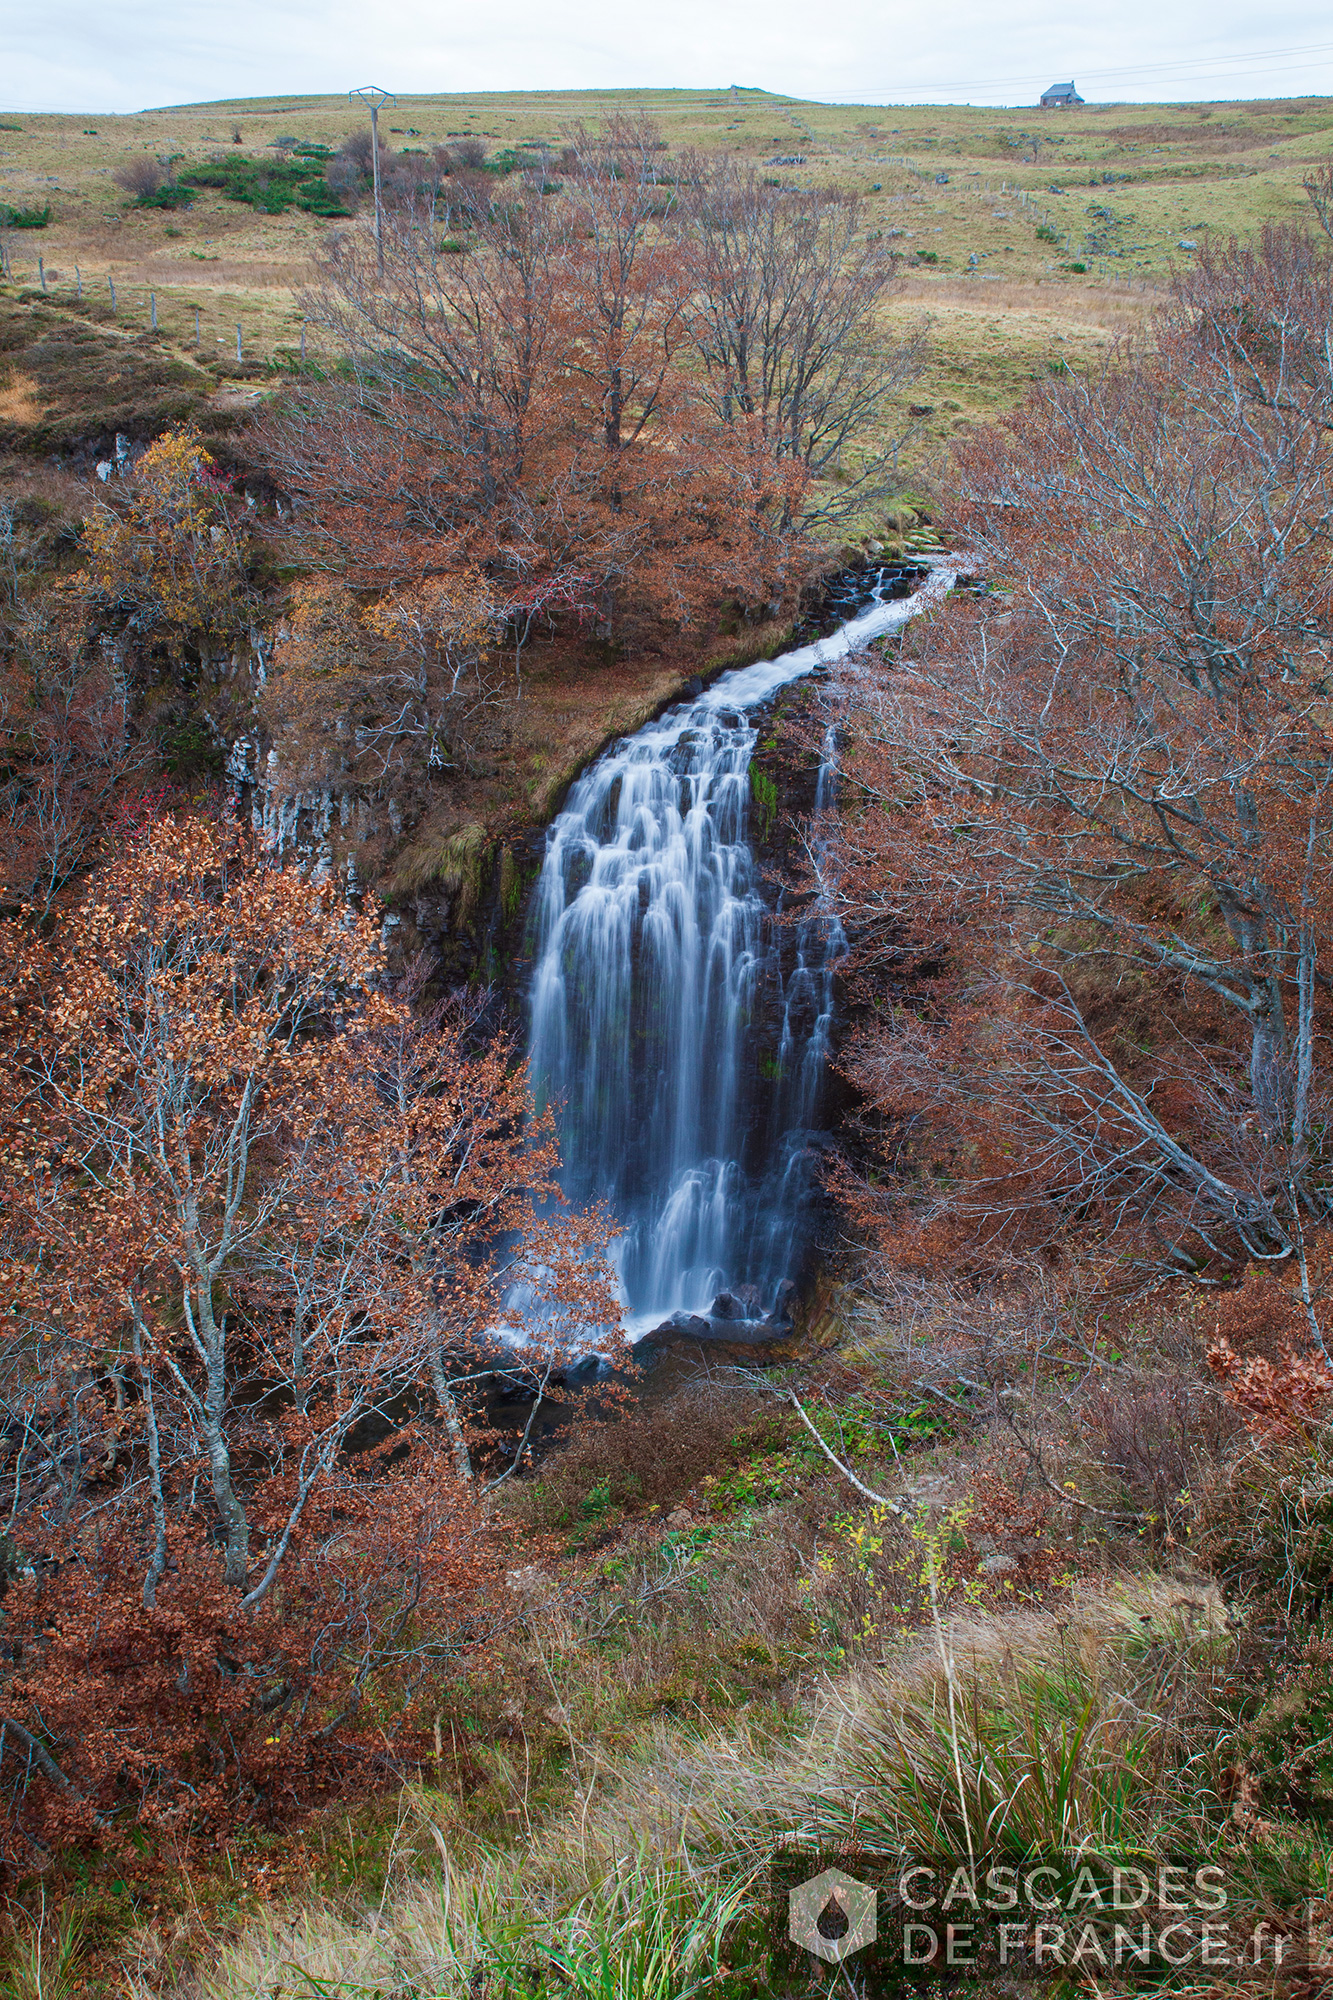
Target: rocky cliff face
455,854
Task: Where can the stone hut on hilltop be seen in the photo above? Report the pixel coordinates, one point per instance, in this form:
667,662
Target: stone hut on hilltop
1060,97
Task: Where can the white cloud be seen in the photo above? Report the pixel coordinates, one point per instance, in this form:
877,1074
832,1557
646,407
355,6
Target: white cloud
83,55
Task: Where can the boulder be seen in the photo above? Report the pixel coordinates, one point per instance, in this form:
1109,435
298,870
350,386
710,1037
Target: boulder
742,1303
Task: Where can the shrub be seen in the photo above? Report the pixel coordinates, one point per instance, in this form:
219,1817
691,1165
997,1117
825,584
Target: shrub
271,186
173,195
650,1456
24,218
1155,1438
140,177
1269,1528
193,1710
1289,1745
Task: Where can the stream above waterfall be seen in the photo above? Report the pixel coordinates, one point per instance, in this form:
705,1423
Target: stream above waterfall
678,1030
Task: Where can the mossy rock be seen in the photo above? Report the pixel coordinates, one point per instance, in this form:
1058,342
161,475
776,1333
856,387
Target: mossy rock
511,885
458,863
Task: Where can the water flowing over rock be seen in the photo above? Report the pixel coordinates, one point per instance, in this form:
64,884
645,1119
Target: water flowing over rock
682,1043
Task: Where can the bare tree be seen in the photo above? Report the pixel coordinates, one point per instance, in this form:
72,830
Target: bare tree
65,746
522,399
787,315
633,289
1105,799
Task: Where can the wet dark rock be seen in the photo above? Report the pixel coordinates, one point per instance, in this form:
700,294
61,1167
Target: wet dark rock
745,1332
586,1368
783,1305
742,1303
693,1324
649,1348
686,1329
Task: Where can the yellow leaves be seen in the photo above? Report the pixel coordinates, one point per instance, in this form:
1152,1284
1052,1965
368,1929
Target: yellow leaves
455,611
170,550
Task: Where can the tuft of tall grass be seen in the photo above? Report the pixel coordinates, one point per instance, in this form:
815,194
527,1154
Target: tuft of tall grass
649,1932
436,1934
458,862
1049,1756
45,1956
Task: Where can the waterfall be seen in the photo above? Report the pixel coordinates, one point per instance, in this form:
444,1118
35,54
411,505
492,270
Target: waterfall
684,1064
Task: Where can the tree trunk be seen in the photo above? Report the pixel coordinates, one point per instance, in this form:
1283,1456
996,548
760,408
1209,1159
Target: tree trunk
453,1423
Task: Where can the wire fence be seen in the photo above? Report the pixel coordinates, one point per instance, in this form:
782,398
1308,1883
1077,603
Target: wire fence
187,324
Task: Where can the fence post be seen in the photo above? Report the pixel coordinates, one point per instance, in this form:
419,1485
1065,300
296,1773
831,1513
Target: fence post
78,282
239,355
152,310
112,283
41,272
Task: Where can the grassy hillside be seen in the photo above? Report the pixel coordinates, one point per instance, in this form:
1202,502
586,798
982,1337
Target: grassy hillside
1029,195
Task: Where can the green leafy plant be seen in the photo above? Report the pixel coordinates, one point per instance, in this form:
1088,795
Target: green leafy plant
596,1502
270,186
24,218
172,195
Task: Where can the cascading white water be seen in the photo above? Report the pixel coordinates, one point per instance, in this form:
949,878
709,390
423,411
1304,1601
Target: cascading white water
657,967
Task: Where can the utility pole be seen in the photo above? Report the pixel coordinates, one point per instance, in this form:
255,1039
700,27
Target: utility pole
372,95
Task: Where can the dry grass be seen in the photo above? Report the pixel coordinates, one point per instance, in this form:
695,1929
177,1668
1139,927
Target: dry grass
1226,167
684,1826
1112,307
20,399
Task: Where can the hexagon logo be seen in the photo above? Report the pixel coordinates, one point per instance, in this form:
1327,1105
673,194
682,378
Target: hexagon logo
832,1915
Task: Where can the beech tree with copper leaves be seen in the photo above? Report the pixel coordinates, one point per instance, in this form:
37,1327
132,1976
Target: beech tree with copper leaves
1086,836
260,1218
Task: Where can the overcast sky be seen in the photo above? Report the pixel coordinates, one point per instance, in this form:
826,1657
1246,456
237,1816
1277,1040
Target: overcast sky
124,55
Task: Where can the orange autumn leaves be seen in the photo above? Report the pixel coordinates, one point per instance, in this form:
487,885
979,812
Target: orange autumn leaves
258,1219
1088,823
